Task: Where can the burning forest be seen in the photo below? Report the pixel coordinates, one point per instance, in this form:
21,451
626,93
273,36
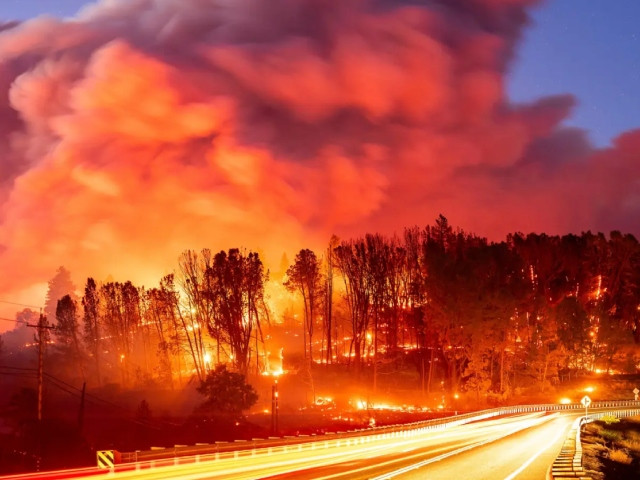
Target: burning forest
304,144
434,320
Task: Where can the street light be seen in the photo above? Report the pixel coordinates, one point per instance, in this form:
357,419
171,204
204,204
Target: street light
122,369
274,404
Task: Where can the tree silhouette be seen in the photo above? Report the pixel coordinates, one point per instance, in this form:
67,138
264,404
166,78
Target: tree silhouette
227,393
67,334
92,330
59,286
235,294
304,277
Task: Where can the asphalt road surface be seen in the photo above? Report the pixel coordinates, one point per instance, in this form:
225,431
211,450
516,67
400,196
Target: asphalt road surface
505,449
512,447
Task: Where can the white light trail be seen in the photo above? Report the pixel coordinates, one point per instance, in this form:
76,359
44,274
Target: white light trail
457,451
536,455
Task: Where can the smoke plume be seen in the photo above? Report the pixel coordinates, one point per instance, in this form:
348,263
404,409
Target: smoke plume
142,128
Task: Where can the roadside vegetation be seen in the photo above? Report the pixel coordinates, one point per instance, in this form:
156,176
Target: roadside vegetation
611,449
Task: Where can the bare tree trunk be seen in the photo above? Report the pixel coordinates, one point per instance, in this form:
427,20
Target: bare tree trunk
329,298
329,314
502,370
375,353
491,362
546,366
431,361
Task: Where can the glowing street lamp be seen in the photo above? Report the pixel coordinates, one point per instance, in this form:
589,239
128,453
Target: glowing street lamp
274,403
122,369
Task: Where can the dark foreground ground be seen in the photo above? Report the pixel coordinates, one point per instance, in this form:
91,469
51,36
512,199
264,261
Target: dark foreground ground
612,451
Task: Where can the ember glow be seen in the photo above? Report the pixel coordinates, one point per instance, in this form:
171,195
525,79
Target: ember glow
139,129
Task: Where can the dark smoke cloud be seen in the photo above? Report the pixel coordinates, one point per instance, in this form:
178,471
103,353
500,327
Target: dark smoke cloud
145,127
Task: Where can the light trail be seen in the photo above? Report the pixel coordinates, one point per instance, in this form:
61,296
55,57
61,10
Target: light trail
536,455
440,453
290,459
460,450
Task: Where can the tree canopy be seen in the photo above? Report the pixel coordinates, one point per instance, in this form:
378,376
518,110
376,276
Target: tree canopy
226,392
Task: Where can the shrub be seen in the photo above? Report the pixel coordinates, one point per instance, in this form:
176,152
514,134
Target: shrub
633,445
610,435
633,436
609,419
227,393
620,456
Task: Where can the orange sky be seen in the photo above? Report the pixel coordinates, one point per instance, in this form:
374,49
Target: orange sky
141,129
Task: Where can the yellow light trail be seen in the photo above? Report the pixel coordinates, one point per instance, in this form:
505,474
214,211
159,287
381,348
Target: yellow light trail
288,459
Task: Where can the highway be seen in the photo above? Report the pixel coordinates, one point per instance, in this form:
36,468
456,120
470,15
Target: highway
493,449
519,446
448,453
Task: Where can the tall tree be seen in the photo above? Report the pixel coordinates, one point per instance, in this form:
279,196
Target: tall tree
380,272
59,286
414,279
198,312
574,332
235,294
92,329
66,332
161,311
328,320
451,290
184,317
351,260
623,282
304,277
122,319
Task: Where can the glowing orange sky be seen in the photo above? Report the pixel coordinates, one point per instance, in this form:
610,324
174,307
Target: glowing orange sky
141,129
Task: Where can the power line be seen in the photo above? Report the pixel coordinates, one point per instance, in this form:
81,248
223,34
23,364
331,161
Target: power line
18,304
67,387
19,374
96,399
10,320
54,379
24,369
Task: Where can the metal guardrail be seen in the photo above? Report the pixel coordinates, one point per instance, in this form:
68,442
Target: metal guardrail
201,452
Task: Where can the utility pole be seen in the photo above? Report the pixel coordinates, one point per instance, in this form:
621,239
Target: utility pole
41,327
274,407
81,412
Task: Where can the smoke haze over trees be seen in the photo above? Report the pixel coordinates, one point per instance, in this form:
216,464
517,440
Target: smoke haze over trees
448,305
